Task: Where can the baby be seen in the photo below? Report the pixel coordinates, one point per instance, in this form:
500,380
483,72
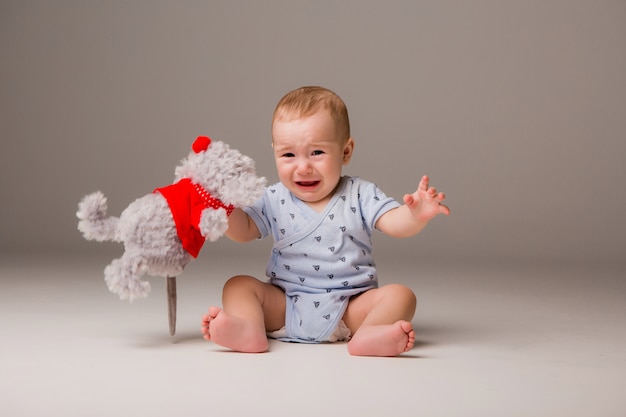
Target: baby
322,285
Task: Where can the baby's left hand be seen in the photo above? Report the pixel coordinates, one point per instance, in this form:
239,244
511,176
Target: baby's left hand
426,202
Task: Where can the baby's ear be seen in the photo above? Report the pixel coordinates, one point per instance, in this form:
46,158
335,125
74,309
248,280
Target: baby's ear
348,149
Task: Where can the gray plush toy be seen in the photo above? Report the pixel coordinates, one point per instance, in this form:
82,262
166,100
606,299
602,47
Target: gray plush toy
163,231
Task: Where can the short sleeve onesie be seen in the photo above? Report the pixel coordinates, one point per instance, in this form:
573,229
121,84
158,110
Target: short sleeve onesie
321,259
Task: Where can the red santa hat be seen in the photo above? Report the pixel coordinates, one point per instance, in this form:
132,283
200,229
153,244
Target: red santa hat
201,144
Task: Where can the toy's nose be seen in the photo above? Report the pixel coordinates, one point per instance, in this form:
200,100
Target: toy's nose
201,144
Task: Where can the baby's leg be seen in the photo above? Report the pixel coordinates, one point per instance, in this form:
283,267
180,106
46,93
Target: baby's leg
250,307
380,321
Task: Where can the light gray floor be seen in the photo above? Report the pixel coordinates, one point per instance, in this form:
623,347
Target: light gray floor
493,340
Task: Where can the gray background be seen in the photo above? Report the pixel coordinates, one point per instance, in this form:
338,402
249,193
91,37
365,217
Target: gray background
516,109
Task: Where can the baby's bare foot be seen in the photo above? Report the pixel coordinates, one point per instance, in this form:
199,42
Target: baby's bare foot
383,340
233,332
207,319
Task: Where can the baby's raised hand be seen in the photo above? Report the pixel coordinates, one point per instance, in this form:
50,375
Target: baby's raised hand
426,202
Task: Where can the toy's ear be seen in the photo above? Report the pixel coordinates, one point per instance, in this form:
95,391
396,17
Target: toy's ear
201,144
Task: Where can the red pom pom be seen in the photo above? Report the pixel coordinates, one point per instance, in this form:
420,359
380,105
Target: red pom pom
201,144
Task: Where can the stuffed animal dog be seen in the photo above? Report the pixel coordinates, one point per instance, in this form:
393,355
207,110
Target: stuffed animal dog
164,230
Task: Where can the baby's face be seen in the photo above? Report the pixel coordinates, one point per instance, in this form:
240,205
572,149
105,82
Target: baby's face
309,155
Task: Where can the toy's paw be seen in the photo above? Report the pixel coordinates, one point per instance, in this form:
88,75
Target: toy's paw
123,283
213,223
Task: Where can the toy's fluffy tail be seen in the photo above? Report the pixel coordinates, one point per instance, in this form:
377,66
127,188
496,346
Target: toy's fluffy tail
92,220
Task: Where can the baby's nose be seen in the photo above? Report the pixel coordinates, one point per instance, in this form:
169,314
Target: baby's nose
304,167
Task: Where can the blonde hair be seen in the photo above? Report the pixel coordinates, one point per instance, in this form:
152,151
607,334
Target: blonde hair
306,101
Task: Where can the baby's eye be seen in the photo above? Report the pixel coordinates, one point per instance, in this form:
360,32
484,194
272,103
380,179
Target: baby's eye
288,155
318,152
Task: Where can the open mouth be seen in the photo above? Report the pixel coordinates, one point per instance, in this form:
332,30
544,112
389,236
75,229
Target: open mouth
307,184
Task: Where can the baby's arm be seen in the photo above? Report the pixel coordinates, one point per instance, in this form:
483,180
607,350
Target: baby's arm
418,209
241,228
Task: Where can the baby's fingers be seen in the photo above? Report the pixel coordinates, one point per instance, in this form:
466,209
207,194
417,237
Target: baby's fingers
423,185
